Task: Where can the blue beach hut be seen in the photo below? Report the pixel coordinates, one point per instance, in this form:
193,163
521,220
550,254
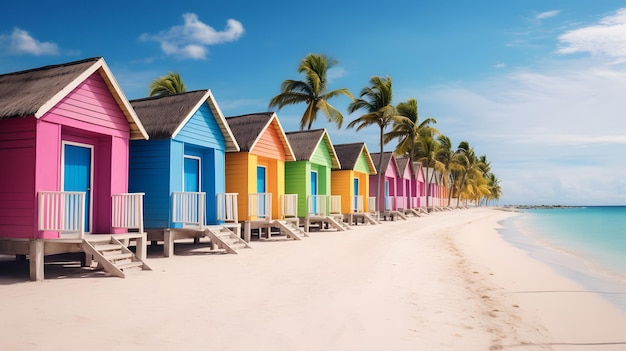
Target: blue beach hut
181,169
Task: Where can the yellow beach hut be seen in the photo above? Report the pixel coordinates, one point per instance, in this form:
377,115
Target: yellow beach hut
257,172
351,181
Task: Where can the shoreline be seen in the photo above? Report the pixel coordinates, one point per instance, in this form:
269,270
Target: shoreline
567,312
446,281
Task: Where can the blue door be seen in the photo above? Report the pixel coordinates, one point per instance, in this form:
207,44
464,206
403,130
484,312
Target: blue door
387,203
77,174
191,176
314,191
356,195
261,187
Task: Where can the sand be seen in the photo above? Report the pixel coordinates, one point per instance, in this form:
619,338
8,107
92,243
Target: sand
446,281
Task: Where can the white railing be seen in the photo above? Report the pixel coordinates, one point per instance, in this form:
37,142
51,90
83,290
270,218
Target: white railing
188,208
127,211
62,211
260,206
389,203
227,207
371,204
289,206
317,205
422,201
357,203
401,202
335,204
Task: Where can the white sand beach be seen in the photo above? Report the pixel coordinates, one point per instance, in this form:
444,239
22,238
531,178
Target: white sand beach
446,281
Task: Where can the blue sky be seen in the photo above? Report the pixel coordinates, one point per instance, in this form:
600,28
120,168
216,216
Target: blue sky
537,86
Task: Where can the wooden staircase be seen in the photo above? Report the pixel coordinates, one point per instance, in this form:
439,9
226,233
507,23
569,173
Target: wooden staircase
370,219
291,230
337,224
113,256
225,239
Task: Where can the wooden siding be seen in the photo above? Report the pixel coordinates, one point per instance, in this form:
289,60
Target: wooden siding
241,178
298,181
91,107
150,174
342,184
269,144
17,181
362,165
322,155
202,130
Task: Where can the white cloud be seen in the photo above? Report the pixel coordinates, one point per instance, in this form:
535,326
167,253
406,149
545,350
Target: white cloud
20,42
607,38
553,134
191,40
547,14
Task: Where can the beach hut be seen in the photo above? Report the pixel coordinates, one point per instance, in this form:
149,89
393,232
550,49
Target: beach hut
64,135
407,186
351,182
389,200
420,193
181,169
309,177
257,174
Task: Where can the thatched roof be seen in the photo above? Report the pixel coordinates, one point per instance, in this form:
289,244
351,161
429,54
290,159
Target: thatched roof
304,143
248,128
348,155
386,158
34,92
165,116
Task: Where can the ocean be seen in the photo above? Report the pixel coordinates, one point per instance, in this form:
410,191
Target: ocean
586,244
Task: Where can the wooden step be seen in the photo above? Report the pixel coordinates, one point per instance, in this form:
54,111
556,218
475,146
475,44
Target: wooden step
129,265
119,256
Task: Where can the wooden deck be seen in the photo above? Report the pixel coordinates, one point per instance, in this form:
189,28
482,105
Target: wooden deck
169,235
37,249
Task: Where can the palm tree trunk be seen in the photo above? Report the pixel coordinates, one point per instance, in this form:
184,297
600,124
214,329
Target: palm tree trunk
380,165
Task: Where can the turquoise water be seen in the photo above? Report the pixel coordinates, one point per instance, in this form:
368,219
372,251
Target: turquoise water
586,244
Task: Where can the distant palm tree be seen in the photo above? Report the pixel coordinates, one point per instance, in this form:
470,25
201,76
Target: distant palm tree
311,91
451,161
407,130
495,191
472,175
167,85
425,151
376,101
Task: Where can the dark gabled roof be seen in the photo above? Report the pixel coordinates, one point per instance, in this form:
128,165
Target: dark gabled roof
403,162
348,155
304,143
386,158
23,93
248,128
164,116
34,92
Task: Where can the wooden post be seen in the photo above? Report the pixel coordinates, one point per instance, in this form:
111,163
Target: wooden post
168,243
36,254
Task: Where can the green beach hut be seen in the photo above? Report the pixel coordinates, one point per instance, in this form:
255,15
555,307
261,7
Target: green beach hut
309,175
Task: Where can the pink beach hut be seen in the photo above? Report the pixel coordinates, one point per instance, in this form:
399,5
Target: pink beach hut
388,199
420,188
407,186
64,136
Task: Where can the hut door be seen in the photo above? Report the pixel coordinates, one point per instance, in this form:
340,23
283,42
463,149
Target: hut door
356,195
77,173
191,176
314,190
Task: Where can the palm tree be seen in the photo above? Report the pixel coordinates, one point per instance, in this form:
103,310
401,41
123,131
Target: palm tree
311,91
471,173
407,130
425,151
495,191
376,101
167,85
451,161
